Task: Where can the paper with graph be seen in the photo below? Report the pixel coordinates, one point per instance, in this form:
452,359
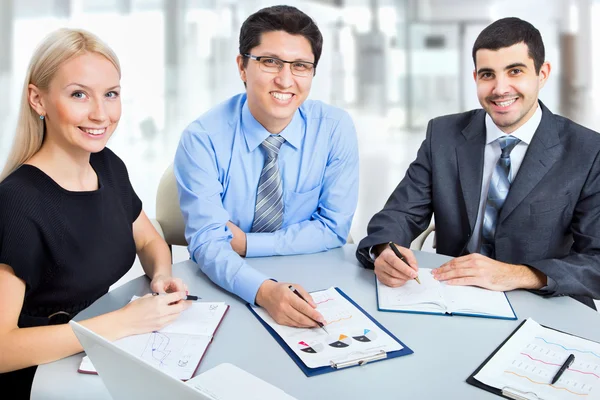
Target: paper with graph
435,297
351,334
524,366
178,348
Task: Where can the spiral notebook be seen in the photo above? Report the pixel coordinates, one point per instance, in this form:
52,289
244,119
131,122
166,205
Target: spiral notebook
353,337
178,348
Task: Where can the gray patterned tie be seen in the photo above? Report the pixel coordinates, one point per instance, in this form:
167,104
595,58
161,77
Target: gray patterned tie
268,212
499,186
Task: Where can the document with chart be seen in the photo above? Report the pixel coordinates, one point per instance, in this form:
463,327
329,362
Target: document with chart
525,365
435,297
353,337
177,348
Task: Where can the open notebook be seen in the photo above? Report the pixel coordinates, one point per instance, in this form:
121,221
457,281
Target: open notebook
134,378
177,348
434,297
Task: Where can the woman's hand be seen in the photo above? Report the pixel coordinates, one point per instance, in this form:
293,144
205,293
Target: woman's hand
167,284
152,313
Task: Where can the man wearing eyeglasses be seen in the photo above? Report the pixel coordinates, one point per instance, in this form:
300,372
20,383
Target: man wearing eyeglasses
268,172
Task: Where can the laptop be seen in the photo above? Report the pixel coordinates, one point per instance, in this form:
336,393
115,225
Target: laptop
127,376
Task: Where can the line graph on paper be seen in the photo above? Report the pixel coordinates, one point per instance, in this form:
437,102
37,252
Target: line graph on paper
539,360
333,311
335,316
572,349
321,297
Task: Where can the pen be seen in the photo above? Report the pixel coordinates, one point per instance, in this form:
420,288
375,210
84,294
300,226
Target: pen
401,257
563,368
297,293
188,297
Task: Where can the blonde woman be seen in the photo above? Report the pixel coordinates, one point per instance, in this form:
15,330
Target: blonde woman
70,221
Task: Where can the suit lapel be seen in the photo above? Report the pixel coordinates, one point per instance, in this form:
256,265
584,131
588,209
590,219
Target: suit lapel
469,157
543,151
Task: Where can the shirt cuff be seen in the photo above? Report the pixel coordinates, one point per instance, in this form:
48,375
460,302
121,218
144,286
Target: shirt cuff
247,282
260,244
371,254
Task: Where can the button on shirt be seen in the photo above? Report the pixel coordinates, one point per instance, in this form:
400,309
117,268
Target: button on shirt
218,165
490,159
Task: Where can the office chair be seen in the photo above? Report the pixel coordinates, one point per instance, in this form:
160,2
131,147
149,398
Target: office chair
417,244
169,220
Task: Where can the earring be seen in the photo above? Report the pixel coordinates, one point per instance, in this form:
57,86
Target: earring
41,117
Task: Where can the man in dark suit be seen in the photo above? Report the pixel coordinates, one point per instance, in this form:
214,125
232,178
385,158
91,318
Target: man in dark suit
515,189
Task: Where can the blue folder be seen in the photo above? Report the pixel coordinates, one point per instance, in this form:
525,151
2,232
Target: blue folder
325,369
449,314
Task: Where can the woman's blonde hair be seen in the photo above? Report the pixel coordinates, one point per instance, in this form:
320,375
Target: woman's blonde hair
57,48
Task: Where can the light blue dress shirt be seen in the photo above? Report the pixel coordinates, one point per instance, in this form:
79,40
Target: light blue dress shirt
218,164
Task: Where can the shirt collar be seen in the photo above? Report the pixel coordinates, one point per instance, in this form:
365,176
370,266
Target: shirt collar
524,133
255,133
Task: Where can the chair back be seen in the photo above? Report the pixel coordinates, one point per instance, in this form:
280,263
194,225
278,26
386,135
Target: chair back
168,211
419,241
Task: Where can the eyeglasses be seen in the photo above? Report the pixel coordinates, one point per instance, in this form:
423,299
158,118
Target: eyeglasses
274,65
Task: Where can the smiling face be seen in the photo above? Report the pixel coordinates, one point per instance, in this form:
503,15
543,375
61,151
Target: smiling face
507,85
273,98
82,105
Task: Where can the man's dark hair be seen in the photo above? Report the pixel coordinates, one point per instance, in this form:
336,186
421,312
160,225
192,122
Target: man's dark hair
279,18
506,32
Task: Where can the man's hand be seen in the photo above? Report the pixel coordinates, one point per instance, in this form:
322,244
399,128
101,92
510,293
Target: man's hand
392,271
285,307
478,270
238,243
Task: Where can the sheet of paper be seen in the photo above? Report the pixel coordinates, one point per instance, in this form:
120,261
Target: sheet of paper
177,348
216,384
351,334
201,318
86,366
177,355
476,300
527,363
427,296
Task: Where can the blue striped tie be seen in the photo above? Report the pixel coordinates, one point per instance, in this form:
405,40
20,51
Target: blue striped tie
268,212
499,186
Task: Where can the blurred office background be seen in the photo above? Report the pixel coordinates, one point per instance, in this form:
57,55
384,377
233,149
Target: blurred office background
393,64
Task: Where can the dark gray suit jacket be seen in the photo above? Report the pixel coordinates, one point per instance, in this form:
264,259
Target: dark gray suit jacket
551,217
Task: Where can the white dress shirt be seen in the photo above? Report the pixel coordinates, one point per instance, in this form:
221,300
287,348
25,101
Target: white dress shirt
490,159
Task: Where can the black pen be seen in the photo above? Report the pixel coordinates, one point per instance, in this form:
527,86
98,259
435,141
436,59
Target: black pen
188,297
563,368
401,257
297,293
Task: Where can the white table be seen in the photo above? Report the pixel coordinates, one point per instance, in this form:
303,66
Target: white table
446,349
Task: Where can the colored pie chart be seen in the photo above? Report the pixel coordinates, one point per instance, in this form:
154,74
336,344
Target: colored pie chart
312,348
339,341
365,335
